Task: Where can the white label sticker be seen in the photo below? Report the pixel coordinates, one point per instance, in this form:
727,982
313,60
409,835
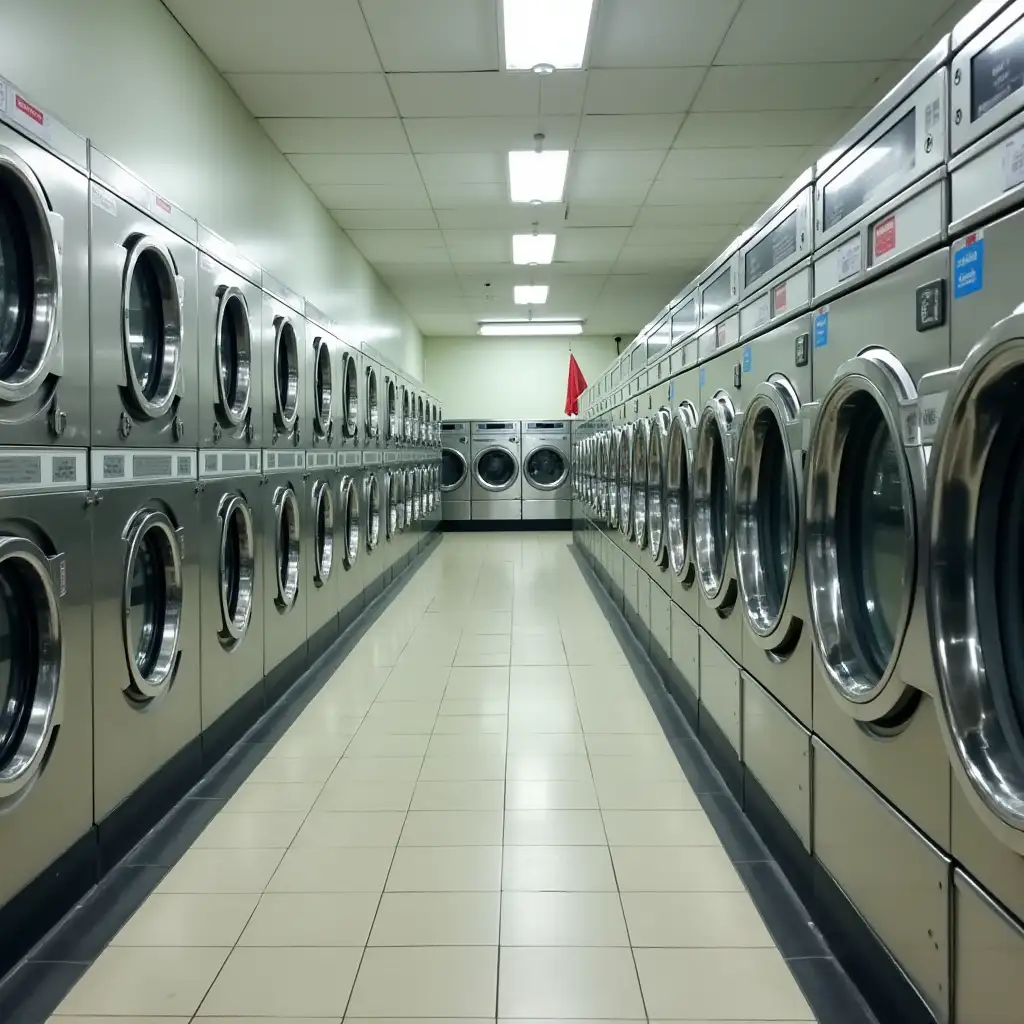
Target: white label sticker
762,310
3,96
207,264
930,412
1013,161
104,201
849,258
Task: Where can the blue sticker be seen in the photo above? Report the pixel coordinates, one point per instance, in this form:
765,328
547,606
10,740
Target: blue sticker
969,268
821,329
748,360
702,376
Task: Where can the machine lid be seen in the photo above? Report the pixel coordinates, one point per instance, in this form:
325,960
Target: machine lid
236,569
233,356
323,532
454,469
286,374
679,462
546,468
372,496
350,395
287,527
496,468
350,519
323,387
712,500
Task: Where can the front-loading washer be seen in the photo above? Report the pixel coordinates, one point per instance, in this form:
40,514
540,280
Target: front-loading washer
352,424
285,561
145,636
351,534
320,538
286,367
46,750
374,504
229,322
143,310
44,249
391,408
881,279
230,594
393,505
373,402
546,460
456,486
407,413
496,486
324,375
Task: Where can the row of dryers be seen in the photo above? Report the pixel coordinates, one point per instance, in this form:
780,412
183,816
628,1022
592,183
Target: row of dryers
506,470
806,505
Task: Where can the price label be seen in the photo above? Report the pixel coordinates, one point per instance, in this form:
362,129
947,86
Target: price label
849,258
1013,161
762,310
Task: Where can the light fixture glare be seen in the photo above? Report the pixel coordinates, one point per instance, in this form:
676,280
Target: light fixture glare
539,32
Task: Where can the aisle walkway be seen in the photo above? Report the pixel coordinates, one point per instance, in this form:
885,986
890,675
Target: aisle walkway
477,817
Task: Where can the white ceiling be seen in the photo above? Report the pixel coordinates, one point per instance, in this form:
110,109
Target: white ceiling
689,118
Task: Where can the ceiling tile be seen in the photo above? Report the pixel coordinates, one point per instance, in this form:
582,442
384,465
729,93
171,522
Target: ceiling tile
476,134
637,258
761,162
714,235
453,196
553,272
699,214
267,35
608,193
659,33
765,127
462,168
308,95
685,191
356,169
490,246
384,219
372,197
444,35
597,167
336,134
401,246
786,86
628,131
587,244
517,217
657,91
596,216
488,93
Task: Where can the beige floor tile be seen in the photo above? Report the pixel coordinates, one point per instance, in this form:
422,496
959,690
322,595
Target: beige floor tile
437,919
253,1020
659,828
694,919
548,767
565,744
303,745
417,677
141,981
333,869
455,707
654,767
466,744
485,643
487,622
464,658
720,984
628,795
554,828
562,919
131,1020
385,745
478,681
537,651
311,919
293,769
401,717
350,828
268,982
471,724
188,919
360,795
452,828
446,869
222,871
429,981
481,795
557,869
250,831
378,769
569,982
267,797
625,745
550,795
549,717
540,678
675,869
489,767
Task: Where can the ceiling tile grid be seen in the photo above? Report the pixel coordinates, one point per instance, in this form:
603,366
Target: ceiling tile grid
688,118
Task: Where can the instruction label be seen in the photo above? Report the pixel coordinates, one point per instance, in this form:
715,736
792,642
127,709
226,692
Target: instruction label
969,266
821,327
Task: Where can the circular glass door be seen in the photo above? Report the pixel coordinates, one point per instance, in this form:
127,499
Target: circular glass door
323,388
351,511
767,502
399,493
372,404
151,328
391,499
392,413
323,532
657,452
546,468
641,445
350,396
679,464
410,496
31,664
496,469
421,425
152,602
237,568
233,357
454,469
286,374
613,476
862,534
372,511
287,530
712,500
30,281
406,416
624,461
417,494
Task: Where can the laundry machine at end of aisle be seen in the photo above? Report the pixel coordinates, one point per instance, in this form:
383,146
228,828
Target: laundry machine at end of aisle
456,472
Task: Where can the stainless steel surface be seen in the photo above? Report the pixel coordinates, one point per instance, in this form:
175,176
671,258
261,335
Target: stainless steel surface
285,372
321,516
496,468
546,462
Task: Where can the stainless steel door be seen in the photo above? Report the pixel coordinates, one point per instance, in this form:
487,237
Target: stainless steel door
322,509
287,546
682,441
454,469
323,389
641,447
351,512
372,399
233,364
350,396
495,469
286,375
546,468
625,474
236,568
657,464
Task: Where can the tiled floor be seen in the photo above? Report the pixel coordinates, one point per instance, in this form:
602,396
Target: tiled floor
478,817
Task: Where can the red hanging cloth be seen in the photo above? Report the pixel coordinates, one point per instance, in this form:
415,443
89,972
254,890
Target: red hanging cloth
576,386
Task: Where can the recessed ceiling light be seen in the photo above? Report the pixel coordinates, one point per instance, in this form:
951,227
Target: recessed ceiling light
530,294
537,177
539,32
528,250
528,328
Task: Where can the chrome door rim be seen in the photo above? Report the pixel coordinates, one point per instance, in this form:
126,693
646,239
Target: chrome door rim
483,483
372,405
406,416
372,512
40,573
641,445
465,470
391,527
715,424
420,426
624,460
351,510
392,412
286,514
323,387
234,625
399,492
287,401
657,450
546,487
232,304
777,401
168,373
144,687
323,547
613,476
679,520
877,374
350,394
409,490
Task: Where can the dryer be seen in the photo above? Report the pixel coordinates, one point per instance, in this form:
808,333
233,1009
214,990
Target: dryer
456,483
407,413
285,561
373,403
391,409
285,366
44,246
46,583
353,427
351,534
229,322
145,632
320,533
496,475
393,498
143,308
324,373
374,529
547,490
230,592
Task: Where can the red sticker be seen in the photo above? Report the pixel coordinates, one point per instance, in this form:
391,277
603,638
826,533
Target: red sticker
779,297
163,204
885,236
29,111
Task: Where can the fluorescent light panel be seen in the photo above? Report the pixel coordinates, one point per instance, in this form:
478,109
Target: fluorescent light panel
528,328
531,294
546,32
527,249
537,177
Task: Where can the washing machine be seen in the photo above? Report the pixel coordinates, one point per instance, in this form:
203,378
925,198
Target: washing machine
393,500
351,533
44,377
496,485
455,472
322,368
46,755
143,309
319,537
373,402
547,490
286,570
391,408
230,593
374,504
229,322
881,321
352,421
147,705
285,367
407,414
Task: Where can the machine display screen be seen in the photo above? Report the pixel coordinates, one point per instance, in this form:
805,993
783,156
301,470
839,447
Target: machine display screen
997,71
659,341
639,357
873,172
684,319
717,296
773,249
